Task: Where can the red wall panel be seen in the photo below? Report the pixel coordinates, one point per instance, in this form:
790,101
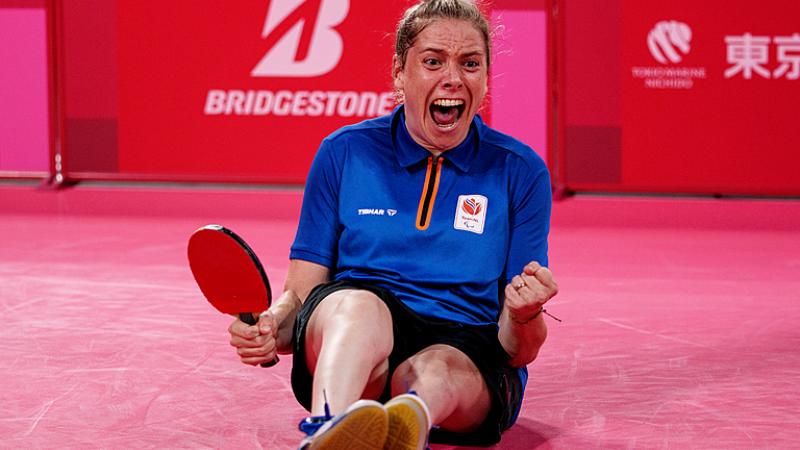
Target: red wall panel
636,120
217,91
204,90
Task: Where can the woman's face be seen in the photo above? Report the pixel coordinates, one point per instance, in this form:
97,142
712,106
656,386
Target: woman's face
443,83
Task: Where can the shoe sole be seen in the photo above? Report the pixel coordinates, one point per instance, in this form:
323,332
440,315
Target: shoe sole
408,424
364,428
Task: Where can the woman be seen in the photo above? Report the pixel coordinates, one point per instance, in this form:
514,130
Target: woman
418,273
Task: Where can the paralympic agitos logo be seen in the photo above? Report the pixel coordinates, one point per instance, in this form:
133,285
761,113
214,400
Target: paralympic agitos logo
301,42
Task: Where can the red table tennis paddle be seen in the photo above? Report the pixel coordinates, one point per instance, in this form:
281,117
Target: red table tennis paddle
229,274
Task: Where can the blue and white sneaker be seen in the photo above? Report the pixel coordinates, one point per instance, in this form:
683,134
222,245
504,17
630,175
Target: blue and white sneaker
362,426
409,423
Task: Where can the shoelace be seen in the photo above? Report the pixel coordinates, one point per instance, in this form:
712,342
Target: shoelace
311,424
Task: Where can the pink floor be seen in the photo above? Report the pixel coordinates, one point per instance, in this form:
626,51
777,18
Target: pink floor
680,325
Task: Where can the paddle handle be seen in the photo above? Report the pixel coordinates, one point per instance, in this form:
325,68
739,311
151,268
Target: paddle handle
250,320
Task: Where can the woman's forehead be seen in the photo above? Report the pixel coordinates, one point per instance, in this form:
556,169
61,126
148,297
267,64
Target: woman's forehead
450,33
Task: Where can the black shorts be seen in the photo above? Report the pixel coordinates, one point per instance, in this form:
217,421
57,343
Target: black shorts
412,333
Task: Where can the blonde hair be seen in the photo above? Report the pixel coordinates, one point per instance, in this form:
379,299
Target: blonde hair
419,16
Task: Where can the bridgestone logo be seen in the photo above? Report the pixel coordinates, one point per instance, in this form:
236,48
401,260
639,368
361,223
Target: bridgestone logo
301,38
298,103
301,42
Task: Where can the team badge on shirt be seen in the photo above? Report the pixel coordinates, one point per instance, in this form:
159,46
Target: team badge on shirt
471,213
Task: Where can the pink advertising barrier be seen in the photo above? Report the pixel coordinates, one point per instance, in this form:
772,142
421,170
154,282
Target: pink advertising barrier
24,121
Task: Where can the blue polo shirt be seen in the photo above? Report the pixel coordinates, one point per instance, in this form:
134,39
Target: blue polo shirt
444,234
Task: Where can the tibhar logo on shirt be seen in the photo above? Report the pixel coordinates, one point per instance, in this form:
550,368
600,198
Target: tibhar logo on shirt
376,212
471,213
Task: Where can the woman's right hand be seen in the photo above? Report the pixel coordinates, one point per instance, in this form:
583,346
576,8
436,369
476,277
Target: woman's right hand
255,344
260,343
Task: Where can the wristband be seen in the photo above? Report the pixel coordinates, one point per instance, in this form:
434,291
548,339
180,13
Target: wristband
542,310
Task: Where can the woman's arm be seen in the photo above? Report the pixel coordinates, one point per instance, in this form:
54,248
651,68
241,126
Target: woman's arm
522,327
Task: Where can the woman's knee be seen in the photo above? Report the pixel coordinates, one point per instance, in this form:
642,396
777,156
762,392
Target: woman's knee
353,318
358,309
439,363
450,379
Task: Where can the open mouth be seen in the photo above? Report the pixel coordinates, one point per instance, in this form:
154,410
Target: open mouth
446,112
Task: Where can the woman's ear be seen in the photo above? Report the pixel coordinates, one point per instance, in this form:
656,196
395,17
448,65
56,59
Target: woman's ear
397,74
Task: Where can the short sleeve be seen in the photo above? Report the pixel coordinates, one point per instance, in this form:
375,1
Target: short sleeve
531,204
319,227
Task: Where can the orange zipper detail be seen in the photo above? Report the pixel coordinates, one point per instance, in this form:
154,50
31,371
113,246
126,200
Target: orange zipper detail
430,188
